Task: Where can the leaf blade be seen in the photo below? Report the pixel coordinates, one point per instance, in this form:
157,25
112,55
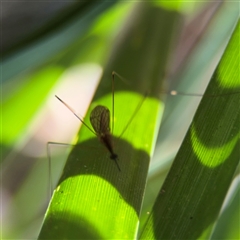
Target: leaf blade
197,183
107,188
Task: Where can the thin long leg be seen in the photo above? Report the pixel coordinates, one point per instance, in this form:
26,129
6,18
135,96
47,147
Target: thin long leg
75,114
113,73
174,93
133,115
49,161
117,165
137,108
113,93
127,82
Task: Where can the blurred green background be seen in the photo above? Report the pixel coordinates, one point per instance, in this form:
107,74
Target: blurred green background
62,48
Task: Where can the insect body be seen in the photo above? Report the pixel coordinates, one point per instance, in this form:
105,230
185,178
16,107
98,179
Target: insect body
100,120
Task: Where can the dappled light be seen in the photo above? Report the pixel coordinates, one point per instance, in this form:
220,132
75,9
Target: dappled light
212,156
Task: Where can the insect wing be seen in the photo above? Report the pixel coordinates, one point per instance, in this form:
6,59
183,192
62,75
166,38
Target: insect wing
100,119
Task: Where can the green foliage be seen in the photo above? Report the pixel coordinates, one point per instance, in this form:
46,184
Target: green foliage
92,198
192,195
32,91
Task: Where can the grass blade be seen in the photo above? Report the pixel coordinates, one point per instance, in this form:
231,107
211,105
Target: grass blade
192,195
93,199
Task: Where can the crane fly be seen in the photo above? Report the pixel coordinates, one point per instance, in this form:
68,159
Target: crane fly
100,121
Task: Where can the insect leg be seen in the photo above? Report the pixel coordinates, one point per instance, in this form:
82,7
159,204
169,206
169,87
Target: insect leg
113,73
117,165
133,115
49,161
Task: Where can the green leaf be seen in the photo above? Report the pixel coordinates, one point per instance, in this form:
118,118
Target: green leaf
193,192
31,92
179,110
227,226
93,198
